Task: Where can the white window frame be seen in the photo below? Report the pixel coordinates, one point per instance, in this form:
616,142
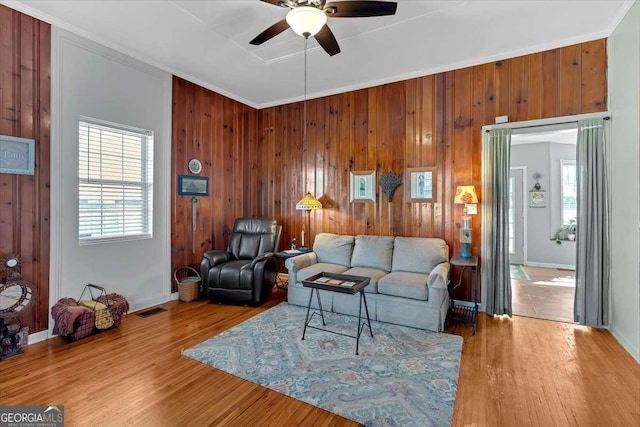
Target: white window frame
564,163
136,226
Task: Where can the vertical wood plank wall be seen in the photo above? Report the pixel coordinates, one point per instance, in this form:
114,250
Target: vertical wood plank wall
219,132
259,164
25,62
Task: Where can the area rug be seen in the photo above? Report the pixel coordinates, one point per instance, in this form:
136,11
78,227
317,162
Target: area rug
518,272
402,377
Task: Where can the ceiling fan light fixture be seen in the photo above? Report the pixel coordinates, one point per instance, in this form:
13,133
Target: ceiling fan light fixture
306,21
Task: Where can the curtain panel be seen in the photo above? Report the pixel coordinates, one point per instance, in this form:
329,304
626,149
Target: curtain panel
496,277
592,231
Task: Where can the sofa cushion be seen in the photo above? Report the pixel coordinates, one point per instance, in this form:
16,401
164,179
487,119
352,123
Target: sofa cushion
418,254
404,284
333,248
372,273
373,252
320,267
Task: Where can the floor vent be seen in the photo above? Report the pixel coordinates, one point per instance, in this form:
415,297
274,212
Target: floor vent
151,312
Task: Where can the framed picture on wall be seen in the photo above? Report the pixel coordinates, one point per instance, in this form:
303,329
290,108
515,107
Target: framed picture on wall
189,185
362,186
538,199
422,184
17,155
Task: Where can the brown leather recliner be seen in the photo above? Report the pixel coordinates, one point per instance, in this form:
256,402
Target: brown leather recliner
246,271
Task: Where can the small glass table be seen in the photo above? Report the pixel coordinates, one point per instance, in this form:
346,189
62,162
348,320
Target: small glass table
341,283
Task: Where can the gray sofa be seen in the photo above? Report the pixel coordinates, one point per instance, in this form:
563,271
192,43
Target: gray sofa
408,277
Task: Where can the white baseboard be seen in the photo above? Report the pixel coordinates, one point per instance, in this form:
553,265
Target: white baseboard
175,296
625,343
548,265
38,336
149,302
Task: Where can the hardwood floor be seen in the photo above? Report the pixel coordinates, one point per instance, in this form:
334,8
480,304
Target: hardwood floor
514,372
548,294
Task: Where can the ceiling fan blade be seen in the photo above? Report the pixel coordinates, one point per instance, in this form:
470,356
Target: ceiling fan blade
327,40
360,9
270,32
275,2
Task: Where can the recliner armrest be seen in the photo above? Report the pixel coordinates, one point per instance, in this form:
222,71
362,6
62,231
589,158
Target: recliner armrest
256,260
216,257
439,276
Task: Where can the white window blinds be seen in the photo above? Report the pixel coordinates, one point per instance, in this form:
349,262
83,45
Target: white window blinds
115,182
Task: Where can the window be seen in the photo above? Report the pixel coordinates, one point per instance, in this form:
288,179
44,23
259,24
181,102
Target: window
569,199
512,215
115,189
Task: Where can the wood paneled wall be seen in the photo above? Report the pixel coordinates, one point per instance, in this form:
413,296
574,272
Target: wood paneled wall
220,133
25,62
261,166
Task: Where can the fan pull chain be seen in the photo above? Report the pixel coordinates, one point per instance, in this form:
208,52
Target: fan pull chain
304,119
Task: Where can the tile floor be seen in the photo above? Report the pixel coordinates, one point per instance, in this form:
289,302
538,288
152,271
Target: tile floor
547,295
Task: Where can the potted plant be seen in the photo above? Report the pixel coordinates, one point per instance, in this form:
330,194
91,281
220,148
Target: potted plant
566,232
571,229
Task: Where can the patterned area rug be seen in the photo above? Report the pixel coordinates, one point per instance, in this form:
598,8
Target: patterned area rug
518,273
402,377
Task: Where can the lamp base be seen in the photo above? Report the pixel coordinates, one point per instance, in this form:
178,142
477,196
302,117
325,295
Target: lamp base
465,251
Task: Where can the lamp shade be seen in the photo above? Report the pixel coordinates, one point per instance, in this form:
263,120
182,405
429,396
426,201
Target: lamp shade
465,194
308,203
307,21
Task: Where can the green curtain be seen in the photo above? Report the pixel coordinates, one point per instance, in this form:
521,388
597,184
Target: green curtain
592,231
496,276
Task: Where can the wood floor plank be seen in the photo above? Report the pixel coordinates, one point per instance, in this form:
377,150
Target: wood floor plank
520,371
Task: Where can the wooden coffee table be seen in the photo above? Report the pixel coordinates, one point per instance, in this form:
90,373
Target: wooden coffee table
341,283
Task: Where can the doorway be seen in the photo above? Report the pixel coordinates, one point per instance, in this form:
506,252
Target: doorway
542,266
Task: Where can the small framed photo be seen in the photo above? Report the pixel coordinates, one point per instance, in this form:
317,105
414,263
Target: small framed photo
17,155
422,184
362,185
538,199
189,185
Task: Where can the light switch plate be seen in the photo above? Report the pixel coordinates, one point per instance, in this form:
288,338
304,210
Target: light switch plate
472,209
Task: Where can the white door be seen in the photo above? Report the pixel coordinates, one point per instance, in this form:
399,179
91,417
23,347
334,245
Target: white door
516,217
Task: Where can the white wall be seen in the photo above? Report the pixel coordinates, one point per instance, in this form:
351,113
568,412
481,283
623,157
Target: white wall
624,104
91,80
542,223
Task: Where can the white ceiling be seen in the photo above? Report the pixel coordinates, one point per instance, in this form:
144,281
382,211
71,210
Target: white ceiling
564,136
207,42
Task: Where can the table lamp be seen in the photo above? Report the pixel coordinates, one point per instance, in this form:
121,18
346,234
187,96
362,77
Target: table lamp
307,203
466,194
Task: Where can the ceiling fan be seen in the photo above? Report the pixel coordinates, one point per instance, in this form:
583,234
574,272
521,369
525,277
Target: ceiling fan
309,18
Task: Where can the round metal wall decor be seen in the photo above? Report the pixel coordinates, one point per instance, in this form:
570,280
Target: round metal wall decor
195,167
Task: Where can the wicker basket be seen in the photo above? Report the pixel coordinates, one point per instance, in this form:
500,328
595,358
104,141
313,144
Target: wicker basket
188,286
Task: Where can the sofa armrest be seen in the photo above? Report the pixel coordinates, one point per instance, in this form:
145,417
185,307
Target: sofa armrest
439,276
297,263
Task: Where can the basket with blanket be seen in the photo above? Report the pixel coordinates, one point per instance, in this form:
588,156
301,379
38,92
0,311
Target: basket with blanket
94,311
